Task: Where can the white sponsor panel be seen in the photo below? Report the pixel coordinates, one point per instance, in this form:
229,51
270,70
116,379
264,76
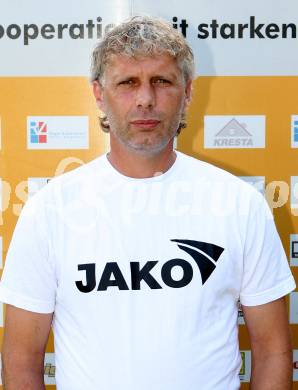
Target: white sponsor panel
49,369
36,183
294,308
295,365
240,314
57,132
258,182
234,131
245,370
294,250
294,132
294,192
57,41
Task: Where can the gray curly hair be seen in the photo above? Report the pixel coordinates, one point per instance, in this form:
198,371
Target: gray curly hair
142,36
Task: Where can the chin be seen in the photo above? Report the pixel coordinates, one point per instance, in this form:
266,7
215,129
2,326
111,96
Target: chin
149,148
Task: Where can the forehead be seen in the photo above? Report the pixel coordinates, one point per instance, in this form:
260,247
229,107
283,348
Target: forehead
120,65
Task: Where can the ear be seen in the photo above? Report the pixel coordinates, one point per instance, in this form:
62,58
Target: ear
98,94
188,88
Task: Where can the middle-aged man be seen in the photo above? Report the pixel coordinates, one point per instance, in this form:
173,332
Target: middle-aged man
143,254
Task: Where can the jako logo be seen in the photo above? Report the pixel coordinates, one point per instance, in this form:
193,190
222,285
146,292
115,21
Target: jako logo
38,132
204,254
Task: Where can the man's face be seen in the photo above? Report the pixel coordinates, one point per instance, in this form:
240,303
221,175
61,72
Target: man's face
143,99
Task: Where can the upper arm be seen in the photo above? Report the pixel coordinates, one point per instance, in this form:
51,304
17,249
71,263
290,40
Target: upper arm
268,327
25,334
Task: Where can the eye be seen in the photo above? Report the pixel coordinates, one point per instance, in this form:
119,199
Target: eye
127,82
161,81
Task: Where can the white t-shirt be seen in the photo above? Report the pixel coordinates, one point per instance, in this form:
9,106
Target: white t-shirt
144,275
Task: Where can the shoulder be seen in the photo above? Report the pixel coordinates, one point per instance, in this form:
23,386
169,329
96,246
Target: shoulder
219,185
80,175
196,168
68,186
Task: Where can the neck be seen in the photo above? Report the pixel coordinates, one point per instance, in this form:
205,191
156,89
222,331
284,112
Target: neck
138,165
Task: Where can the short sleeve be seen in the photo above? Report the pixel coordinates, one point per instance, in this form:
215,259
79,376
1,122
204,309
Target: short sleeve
266,275
28,279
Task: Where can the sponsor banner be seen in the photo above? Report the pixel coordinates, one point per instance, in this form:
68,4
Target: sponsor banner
295,365
294,250
258,182
259,39
234,132
245,369
228,40
294,308
240,315
294,192
57,132
64,34
49,369
36,183
294,131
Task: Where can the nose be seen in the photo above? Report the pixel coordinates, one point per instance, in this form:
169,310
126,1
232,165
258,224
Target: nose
145,96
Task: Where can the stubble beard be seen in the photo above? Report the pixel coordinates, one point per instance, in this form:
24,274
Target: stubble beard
153,143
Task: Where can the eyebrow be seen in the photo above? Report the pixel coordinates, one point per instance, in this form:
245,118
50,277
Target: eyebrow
171,76
162,76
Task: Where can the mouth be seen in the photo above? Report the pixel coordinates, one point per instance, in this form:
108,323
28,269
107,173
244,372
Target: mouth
145,124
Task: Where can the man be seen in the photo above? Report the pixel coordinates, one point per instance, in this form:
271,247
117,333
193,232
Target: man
143,283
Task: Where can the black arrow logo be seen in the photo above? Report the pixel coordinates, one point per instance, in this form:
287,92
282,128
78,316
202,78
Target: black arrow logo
206,266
